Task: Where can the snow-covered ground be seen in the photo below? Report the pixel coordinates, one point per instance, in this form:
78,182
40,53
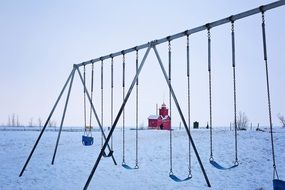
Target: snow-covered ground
74,161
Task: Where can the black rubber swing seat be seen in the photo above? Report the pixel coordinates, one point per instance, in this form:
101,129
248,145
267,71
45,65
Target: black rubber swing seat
87,140
278,184
126,166
176,179
218,166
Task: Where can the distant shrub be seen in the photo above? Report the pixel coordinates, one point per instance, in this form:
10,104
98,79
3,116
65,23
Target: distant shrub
242,121
282,120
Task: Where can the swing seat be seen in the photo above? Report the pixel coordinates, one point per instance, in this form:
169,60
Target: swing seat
126,166
177,179
220,167
278,184
87,140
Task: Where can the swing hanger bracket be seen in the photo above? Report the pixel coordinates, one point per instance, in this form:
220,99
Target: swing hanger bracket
208,26
231,19
186,32
262,10
168,38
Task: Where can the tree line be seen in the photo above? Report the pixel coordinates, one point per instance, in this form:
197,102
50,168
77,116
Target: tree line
14,121
243,121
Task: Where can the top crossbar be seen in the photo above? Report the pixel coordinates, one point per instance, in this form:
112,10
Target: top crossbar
231,18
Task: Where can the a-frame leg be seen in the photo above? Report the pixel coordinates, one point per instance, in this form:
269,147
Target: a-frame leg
63,116
182,117
45,125
94,111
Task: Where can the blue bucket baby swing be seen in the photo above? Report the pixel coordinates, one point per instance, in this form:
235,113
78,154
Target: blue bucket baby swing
87,138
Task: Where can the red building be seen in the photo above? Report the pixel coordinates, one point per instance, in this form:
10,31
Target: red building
161,121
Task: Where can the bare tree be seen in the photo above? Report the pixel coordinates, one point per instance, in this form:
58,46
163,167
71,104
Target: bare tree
31,122
18,121
282,119
242,121
40,122
13,120
9,121
52,123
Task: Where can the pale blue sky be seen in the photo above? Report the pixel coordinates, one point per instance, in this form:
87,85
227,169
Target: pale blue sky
41,40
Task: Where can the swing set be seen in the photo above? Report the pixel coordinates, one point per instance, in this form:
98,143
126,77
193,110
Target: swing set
87,138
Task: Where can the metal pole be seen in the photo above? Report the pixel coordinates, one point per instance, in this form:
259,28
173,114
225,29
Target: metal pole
182,117
63,116
191,31
94,111
116,119
44,127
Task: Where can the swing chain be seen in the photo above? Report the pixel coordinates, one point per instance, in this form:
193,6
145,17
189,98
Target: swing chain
210,91
92,79
209,33
102,101
188,98
236,163
112,96
170,131
137,62
84,91
124,59
112,71
123,85
137,90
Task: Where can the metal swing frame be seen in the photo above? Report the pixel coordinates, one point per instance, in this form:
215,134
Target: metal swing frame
149,46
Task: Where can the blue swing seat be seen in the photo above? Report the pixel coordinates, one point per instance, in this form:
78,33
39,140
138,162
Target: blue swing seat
87,140
218,166
126,166
176,179
278,184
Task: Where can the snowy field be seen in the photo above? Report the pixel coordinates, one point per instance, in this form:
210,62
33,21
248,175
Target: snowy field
74,161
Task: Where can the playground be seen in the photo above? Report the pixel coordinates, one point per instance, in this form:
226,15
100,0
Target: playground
74,162
111,95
